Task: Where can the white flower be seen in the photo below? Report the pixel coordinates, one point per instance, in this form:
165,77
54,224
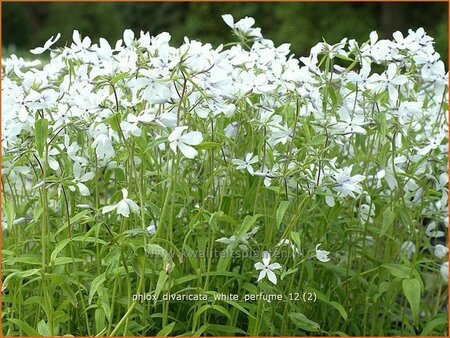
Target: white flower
322,255
183,142
228,19
390,80
347,185
128,37
78,44
432,231
123,207
366,213
230,242
349,125
47,45
103,147
267,269
444,271
268,175
243,242
231,130
244,25
151,229
432,143
408,248
242,165
440,251
79,179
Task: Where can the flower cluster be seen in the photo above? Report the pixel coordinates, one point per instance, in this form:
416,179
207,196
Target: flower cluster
360,128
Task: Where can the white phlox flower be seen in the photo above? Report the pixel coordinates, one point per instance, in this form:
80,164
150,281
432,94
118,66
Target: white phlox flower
123,207
80,179
267,269
322,255
440,251
47,45
247,163
184,142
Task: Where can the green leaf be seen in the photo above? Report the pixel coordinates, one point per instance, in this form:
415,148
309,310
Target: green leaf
287,273
383,124
61,245
20,274
411,290
284,205
43,329
222,310
251,288
139,262
25,327
440,320
295,236
239,307
306,127
318,140
190,254
9,212
202,309
300,320
388,221
40,134
63,282
208,145
103,297
399,271
184,279
343,57
156,142
155,249
95,285
332,95
118,77
230,330
67,260
166,330
340,308
248,222
31,259
99,319
114,122
201,330
160,284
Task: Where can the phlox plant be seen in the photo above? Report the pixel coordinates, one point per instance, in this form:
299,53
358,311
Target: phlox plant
158,190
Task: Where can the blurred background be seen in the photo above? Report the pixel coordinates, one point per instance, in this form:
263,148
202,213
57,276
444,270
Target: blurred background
28,25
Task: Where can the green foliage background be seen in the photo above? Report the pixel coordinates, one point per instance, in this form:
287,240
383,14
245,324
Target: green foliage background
27,25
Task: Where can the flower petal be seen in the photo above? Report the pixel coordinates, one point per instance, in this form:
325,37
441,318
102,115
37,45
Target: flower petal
187,151
108,208
84,191
274,266
176,133
193,138
259,266
123,208
272,277
47,45
228,19
266,258
134,207
262,274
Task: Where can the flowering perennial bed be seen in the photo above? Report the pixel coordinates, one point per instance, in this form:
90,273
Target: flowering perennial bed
154,190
